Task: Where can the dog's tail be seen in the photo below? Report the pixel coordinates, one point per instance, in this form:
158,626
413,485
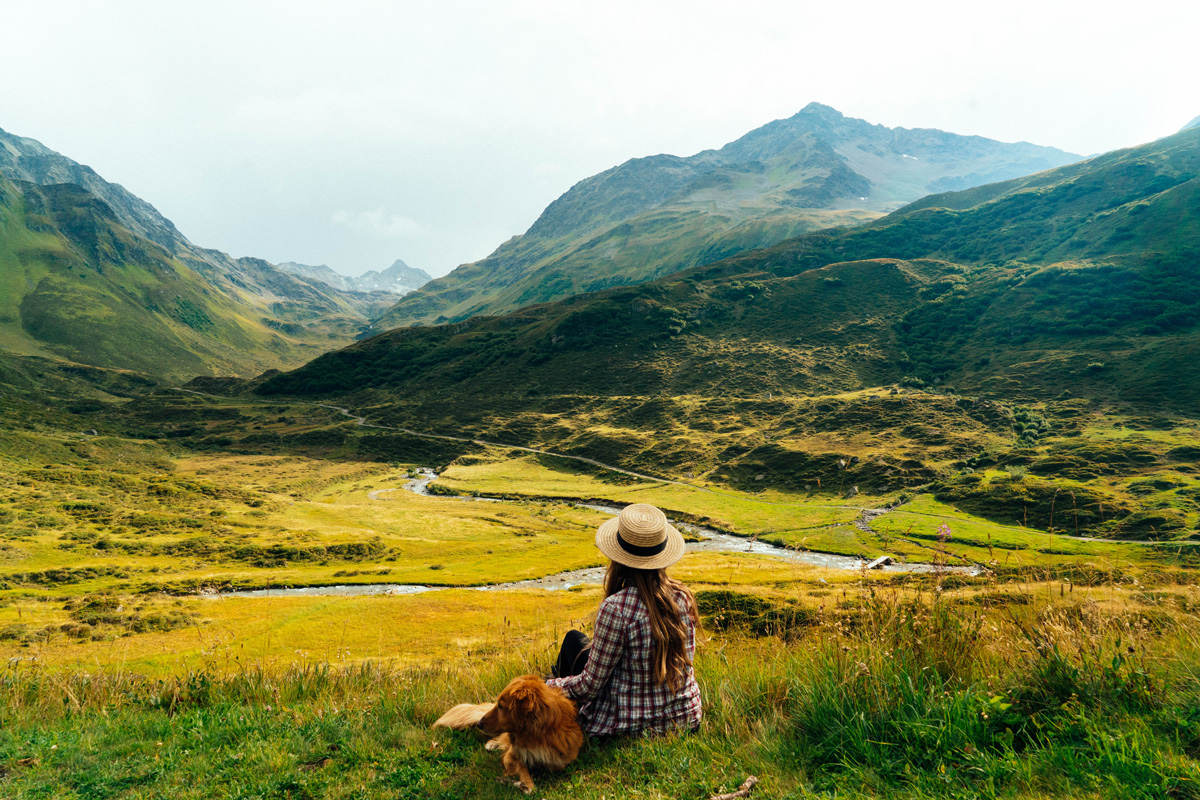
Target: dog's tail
463,716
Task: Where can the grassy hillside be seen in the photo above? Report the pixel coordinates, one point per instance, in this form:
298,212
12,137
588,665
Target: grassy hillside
293,301
657,215
1070,668
75,285
525,271
157,303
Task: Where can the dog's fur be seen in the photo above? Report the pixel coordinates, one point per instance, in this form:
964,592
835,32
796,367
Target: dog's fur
463,716
534,724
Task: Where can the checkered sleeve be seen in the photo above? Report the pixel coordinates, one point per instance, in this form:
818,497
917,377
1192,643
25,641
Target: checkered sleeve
608,646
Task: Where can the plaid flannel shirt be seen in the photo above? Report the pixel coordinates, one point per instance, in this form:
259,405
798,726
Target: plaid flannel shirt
616,692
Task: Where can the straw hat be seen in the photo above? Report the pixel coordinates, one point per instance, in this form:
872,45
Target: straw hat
640,537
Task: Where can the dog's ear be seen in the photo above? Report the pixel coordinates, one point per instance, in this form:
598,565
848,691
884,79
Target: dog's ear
531,709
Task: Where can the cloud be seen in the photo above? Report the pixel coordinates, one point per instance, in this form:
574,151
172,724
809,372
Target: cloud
378,224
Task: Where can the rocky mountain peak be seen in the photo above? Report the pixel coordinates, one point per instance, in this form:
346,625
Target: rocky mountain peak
815,109
397,279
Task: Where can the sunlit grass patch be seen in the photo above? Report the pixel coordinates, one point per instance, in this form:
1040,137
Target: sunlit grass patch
768,511
981,541
887,690
254,521
748,572
234,633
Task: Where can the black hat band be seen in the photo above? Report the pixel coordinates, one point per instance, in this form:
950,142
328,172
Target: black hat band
638,550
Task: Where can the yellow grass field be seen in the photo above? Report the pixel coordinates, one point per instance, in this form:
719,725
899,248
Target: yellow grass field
114,552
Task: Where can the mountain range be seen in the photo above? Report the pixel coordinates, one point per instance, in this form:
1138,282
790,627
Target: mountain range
1081,279
653,216
952,333
92,274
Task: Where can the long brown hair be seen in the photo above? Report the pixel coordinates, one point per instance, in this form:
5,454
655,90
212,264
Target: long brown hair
669,634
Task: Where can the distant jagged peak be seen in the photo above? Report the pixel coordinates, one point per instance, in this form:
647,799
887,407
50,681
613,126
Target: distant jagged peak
399,278
410,276
318,272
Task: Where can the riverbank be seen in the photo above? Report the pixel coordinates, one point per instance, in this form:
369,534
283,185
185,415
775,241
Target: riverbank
700,539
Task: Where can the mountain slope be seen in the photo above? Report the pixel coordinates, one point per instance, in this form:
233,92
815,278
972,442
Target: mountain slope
25,159
293,301
161,305
652,216
1081,279
76,285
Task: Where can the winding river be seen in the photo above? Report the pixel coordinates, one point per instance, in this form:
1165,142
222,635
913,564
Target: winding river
709,541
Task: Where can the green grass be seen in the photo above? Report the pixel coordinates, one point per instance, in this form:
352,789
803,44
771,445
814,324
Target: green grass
1071,669
904,698
159,523
768,512
1006,546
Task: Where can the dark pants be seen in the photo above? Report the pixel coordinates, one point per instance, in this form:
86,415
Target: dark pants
573,655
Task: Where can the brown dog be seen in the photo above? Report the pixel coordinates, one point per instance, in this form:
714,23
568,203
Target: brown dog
534,724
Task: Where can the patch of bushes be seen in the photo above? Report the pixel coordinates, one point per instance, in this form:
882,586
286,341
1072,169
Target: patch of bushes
725,610
94,612
1151,524
1037,503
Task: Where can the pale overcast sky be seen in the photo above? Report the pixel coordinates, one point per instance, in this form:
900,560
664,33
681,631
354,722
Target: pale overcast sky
353,133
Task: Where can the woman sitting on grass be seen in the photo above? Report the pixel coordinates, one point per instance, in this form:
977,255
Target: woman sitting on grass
636,673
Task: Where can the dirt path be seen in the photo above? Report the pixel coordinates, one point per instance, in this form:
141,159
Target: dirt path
869,515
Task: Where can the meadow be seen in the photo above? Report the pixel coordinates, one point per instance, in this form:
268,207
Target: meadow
892,692
1068,667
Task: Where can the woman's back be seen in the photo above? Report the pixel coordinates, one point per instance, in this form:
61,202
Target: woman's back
617,692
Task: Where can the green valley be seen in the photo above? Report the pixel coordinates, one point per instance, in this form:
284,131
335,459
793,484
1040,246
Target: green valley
131,669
